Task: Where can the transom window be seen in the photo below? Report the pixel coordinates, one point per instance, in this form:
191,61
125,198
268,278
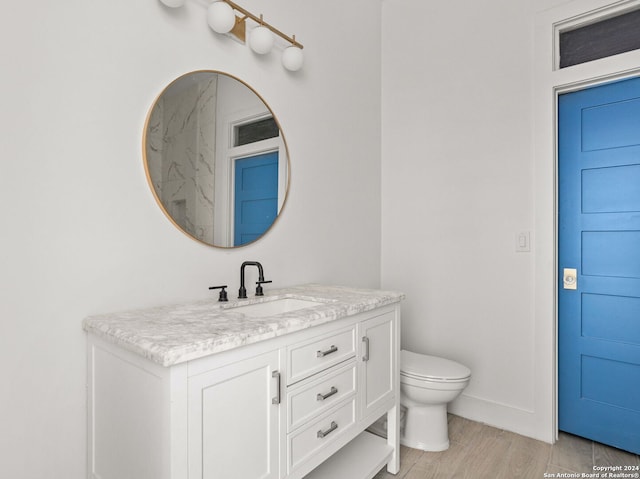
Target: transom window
258,130
604,38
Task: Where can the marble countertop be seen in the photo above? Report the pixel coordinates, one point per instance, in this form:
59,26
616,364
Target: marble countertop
170,335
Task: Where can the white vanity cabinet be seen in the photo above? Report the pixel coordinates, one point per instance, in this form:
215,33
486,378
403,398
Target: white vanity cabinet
288,407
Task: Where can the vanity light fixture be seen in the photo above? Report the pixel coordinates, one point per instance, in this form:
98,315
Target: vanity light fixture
222,18
261,39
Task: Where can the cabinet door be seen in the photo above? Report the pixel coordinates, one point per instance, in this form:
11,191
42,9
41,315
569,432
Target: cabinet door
378,359
234,420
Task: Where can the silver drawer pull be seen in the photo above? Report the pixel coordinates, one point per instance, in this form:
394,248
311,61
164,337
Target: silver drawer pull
333,427
321,354
322,397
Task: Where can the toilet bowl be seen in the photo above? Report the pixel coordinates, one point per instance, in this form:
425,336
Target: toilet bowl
427,385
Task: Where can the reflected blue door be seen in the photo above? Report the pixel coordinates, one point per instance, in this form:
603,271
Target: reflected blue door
599,235
256,196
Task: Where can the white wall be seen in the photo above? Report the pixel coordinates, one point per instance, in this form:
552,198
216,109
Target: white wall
458,184
82,233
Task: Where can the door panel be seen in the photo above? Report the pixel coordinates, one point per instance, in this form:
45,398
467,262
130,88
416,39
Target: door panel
601,382
611,189
611,253
599,235
622,318
611,125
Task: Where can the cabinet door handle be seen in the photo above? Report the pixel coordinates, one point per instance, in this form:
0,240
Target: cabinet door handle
322,397
365,355
276,375
332,349
333,427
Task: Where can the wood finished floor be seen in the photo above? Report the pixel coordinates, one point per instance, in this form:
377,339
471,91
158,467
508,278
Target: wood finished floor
478,451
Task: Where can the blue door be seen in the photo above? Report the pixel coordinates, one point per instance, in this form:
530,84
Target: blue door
256,196
599,238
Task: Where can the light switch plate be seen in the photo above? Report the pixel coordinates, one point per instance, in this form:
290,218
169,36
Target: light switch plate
523,242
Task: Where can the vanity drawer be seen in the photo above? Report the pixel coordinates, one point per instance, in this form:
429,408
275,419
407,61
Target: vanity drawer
315,397
305,359
321,433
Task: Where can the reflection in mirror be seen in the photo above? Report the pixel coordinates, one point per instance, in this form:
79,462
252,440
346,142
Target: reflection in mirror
216,159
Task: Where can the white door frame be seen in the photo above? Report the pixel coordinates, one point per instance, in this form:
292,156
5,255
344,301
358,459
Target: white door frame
549,82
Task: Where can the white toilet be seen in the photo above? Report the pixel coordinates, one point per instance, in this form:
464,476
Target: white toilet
427,385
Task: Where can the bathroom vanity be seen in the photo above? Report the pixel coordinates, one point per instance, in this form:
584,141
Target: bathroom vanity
281,386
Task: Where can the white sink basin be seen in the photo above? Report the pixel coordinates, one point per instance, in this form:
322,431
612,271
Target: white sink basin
273,307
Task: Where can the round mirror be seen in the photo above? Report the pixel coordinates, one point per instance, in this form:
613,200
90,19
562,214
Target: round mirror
216,159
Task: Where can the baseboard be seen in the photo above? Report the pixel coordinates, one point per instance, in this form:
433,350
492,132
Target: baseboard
521,421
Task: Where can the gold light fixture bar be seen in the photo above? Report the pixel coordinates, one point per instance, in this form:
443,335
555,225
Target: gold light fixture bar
239,30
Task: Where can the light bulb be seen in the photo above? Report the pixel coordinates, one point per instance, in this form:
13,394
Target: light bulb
261,40
292,58
220,17
173,3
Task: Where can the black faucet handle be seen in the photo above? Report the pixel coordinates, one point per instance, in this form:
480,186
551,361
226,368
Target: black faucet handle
223,293
259,291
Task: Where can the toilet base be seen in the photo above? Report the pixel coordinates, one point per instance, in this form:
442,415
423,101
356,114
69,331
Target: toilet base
425,447
426,428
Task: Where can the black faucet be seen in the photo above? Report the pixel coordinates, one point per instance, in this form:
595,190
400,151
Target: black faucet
242,292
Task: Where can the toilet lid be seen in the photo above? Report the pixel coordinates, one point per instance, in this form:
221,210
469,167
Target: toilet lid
431,367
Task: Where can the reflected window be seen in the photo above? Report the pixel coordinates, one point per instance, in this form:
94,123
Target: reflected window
258,130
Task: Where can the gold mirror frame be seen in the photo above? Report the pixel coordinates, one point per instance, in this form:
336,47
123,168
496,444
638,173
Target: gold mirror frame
193,184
